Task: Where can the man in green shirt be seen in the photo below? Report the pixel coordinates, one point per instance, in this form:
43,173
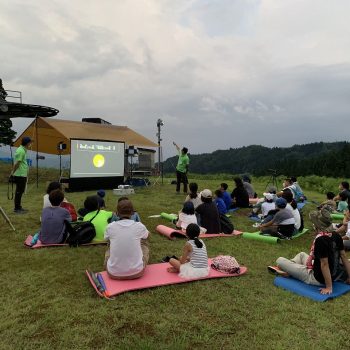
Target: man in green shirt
20,173
182,168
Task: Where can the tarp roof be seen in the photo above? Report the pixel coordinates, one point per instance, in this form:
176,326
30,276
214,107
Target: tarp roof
52,131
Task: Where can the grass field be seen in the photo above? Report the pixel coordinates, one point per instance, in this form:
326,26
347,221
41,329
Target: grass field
47,302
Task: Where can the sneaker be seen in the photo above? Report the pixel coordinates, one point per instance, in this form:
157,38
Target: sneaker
277,271
20,211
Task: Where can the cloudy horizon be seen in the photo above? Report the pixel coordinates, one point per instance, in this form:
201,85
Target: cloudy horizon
220,74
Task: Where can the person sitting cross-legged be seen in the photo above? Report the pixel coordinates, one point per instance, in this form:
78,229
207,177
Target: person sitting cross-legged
326,261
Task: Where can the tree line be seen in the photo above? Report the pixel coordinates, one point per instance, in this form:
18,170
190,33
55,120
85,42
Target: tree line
319,158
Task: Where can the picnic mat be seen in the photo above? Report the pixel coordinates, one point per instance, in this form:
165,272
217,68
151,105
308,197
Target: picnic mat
172,233
256,236
27,243
155,275
310,291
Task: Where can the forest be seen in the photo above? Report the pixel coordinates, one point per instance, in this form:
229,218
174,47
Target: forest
320,158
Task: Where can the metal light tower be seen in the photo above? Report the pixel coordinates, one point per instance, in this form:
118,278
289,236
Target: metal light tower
159,125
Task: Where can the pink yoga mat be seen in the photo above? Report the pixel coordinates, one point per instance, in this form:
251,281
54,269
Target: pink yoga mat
171,233
41,245
155,275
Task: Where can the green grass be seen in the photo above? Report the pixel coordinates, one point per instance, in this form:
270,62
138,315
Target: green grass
47,302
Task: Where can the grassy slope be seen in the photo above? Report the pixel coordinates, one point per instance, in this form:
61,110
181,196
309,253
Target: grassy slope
47,301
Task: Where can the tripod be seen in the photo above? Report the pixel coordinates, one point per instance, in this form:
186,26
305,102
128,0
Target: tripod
3,214
272,180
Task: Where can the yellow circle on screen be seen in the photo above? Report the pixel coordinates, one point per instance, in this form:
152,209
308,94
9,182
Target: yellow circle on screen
98,160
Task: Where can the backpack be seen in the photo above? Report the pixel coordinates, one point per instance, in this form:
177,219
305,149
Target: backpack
225,264
226,224
81,232
71,210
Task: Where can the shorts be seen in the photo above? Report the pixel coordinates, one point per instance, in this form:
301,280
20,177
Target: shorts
187,271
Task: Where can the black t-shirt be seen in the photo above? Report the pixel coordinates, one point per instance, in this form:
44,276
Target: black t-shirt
327,247
209,216
347,193
241,196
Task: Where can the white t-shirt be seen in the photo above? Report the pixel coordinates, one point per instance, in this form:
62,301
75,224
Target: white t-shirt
296,216
186,219
266,207
47,202
125,247
347,234
196,201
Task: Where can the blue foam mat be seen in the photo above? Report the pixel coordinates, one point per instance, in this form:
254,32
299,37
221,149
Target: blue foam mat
301,205
309,291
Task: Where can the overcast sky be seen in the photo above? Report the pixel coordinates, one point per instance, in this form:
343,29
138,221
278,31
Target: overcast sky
220,73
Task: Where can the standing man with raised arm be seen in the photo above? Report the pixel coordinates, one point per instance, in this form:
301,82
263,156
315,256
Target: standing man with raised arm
20,173
182,168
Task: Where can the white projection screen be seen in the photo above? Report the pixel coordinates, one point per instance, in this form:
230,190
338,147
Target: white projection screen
91,158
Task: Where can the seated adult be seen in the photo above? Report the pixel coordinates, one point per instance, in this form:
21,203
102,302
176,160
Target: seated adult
287,185
343,188
100,221
292,206
128,252
208,213
53,220
239,195
299,194
326,261
247,183
225,195
282,224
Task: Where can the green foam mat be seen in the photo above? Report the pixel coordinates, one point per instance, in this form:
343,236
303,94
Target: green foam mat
169,217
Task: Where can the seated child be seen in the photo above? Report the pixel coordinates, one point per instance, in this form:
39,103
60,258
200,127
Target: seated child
208,212
100,221
53,218
329,202
100,197
128,253
194,260
293,207
135,216
282,224
194,197
268,204
342,204
326,262
187,216
225,195
219,201
65,204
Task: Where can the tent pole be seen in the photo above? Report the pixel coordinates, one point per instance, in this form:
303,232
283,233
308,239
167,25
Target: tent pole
37,151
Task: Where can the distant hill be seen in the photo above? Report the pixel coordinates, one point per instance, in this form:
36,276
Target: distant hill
320,158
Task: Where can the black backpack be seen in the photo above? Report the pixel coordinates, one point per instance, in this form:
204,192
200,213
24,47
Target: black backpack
226,224
81,232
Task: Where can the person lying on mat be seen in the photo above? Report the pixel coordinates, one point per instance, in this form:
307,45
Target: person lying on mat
208,213
53,218
282,223
135,216
128,252
326,262
239,195
194,260
193,196
101,218
187,216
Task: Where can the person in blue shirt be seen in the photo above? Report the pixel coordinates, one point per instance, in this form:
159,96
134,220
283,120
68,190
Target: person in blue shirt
220,202
225,195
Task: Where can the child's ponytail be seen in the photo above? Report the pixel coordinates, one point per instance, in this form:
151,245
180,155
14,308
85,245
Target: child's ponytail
198,243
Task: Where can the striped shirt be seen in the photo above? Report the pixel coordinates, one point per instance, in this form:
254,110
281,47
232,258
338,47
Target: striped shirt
199,256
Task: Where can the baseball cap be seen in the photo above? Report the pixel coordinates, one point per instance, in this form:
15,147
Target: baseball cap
281,203
206,194
269,196
101,193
